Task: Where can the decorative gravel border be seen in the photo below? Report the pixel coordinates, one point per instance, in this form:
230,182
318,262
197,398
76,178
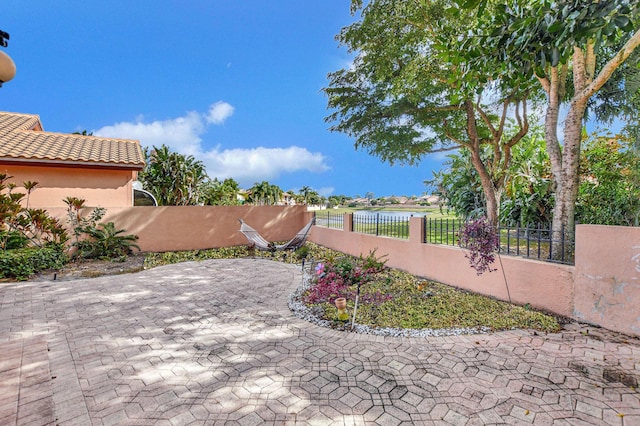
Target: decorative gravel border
302,311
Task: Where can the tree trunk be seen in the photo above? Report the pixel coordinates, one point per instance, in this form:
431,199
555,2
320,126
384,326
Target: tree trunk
485,179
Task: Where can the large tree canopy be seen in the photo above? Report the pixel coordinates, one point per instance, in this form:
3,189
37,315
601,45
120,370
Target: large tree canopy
404,97
572,48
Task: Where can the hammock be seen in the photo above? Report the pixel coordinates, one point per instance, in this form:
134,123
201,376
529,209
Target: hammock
261,244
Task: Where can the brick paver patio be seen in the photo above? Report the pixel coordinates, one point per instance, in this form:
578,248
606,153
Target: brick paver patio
215,343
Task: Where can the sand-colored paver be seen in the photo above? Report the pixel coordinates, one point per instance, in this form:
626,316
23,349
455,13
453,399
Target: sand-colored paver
214,342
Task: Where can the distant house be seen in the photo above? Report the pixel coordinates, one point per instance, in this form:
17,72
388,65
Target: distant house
99,170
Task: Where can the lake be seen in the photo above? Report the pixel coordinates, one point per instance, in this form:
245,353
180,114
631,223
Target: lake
389,213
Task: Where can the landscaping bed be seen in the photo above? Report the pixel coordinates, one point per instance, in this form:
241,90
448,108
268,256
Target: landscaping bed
391,302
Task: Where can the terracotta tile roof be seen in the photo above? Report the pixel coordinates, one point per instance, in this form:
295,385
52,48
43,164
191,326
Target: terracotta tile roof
23,140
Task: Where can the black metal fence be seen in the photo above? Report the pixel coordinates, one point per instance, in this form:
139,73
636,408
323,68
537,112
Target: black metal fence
530,241
329,220
538,242
381,225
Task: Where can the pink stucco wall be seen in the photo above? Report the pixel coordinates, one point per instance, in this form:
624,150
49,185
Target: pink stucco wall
98,187
603,288
543,285
200,227
607,277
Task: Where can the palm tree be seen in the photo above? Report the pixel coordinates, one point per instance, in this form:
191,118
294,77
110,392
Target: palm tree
174,179
264,193
305,191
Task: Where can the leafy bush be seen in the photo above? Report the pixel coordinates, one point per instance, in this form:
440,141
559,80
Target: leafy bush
343,278
24,262
105,242
13,240
95,240
24,227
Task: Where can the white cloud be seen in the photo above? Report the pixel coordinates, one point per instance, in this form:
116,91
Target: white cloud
181,134
255,164
219,112
245,165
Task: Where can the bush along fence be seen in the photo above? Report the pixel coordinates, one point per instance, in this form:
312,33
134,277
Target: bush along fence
530,241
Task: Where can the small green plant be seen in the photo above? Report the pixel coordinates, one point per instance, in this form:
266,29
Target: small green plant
22,263
302,252
106,242
95,240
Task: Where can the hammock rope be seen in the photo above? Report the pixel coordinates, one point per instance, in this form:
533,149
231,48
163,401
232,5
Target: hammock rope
261,244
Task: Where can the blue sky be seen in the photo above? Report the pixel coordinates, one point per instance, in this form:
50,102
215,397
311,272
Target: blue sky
237,84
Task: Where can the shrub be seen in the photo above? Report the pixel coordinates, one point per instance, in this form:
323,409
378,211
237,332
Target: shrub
343,278
105,242
97,240
24,262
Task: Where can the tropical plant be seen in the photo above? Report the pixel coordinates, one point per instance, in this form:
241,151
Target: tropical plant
174,179
458,186
21,227
528,196
225,193
29,186
264,193
95,240
480,240
106,242
305,192
609,182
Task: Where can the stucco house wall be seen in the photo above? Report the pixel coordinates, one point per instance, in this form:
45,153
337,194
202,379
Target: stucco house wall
98,187
99,170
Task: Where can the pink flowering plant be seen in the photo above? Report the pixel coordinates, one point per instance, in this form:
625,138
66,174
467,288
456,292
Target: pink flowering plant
343,277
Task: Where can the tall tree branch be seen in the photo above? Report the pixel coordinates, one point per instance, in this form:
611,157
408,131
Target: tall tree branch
606,71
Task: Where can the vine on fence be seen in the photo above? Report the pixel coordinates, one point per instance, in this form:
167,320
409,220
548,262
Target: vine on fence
481,240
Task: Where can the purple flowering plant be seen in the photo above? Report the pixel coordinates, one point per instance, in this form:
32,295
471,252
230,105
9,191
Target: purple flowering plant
481,240
343,277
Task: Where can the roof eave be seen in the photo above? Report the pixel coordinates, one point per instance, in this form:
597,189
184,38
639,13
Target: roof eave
71,163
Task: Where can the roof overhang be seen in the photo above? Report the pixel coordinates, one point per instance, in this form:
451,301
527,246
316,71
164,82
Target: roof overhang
70,164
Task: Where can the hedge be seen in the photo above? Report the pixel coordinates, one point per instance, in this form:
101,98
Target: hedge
22,263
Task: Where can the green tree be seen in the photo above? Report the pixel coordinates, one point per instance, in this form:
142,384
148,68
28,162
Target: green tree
458,186
528,195
174,179
609,182
225,193
264,193
403,97
529,186
306,192
572,48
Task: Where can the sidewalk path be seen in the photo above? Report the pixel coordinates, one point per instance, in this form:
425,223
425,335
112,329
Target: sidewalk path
213,342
